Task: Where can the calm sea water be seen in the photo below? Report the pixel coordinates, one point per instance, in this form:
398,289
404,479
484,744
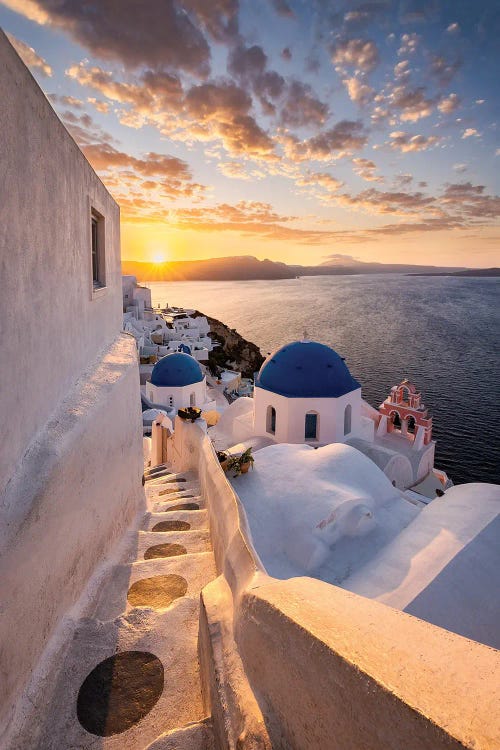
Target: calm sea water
441,333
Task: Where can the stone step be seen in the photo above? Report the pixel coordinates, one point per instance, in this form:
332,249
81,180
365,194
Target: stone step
192,541
141,701
164,581
189,502
180,520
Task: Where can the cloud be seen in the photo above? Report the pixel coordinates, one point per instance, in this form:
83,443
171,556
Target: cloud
302,107
102,107
444,70
283,9
402,70
66,101
286,54
29,57
388,202
238,170
164,37
469,132
460,168
449,104
365,168
406,143
453,28
358,91
339,141
409,44
222,100
322,180
248,65
361,54
84,130
141,183
412,104
470,201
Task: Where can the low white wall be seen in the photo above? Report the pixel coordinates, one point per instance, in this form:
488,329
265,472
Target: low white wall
77,489
329,669
337,671
235,557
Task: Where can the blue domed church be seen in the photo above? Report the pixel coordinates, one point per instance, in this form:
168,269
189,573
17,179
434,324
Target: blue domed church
177,381
305,393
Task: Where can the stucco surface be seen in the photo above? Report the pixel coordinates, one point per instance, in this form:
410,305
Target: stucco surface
349,673
329,669
69,503
51,328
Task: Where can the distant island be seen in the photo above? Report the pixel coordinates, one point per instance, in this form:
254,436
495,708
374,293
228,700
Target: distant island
481,272
240,268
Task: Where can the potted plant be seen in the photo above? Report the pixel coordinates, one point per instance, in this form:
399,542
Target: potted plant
241,464
190,413
223,457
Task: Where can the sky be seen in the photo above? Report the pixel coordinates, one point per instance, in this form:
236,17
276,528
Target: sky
303,131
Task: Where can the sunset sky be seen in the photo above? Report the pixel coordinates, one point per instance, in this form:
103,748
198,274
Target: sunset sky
285,129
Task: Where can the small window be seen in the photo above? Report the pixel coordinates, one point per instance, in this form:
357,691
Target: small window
347,419
192,399
311,426
98,255
271,420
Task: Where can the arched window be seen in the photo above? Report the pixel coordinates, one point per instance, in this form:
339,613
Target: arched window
411,425
311,426
347,419
192,399
395,419
271,420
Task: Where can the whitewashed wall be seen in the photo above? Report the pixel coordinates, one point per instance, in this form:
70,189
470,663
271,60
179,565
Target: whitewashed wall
51,325
290,416
71,458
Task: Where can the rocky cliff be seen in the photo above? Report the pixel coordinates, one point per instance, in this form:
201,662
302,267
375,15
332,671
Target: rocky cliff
235,352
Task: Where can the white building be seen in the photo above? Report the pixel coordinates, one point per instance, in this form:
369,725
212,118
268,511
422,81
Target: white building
304,393
177,381
71,453
136,298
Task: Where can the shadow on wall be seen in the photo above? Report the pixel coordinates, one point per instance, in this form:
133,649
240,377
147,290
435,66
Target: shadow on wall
467,584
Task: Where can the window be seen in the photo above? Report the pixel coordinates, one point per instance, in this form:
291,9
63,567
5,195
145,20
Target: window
98,256
271,420
311,426
347,419
192,399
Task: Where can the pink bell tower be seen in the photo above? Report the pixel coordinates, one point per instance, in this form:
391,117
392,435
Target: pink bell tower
405,414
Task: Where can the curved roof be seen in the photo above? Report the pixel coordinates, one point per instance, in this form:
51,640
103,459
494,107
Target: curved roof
306,369
176,370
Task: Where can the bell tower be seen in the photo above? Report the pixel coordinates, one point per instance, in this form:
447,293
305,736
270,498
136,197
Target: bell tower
403,413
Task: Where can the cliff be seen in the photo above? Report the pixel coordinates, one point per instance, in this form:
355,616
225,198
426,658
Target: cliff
235,352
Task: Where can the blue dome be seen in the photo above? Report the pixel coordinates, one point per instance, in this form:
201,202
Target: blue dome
176,370
306,369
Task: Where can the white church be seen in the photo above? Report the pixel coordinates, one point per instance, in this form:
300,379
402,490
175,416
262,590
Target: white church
177,381
304,393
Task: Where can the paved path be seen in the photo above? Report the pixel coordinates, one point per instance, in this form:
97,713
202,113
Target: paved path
129,679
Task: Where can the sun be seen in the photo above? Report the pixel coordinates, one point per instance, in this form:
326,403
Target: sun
158,258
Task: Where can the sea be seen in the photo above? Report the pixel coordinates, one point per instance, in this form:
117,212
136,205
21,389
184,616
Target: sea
439,332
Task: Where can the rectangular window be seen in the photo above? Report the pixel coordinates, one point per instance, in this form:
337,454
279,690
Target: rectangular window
97,249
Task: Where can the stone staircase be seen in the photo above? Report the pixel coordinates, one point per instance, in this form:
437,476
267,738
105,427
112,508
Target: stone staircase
129,679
